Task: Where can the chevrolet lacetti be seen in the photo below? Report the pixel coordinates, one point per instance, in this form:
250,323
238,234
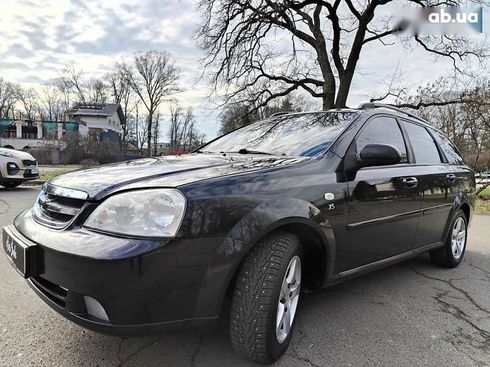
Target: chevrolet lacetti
258,216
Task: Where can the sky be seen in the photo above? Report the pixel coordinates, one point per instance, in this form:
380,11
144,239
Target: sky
38,39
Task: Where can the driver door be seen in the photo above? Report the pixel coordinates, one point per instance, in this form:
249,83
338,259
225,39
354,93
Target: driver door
383,202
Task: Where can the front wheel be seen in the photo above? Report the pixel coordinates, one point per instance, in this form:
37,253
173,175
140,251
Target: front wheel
454,248
266,297
10,184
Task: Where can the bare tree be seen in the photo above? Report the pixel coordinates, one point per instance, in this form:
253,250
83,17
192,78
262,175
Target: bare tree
96,90
28,100
322,56
137,127
71,83
237,115
176,113
8,98
156,132
51,102
183,133
154,80
465,118
120,91
83,89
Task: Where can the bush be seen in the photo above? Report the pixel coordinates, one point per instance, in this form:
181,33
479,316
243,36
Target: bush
89,163
80,150
43,156
107,152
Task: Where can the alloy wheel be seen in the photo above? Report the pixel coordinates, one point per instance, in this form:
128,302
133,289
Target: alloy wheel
458,238
288,299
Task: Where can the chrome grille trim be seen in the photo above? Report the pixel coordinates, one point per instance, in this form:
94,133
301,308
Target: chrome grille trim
64,192
57,207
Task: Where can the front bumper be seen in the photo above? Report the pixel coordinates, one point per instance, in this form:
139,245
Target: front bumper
17,169
163,289
73,308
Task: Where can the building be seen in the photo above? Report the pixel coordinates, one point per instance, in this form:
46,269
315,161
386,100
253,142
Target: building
98,121
29,134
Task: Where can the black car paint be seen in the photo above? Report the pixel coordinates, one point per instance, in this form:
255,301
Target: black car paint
233,201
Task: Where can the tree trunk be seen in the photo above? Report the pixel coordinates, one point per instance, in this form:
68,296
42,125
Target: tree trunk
328,97
155,133
346,79
344,88
150,120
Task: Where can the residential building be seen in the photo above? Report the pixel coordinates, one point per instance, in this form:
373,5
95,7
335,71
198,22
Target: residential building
29,134
98,121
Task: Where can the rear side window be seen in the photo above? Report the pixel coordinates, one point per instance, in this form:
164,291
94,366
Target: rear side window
382,130
452,154
424,147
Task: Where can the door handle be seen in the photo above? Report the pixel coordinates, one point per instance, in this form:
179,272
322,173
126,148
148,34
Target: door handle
451,177
410,181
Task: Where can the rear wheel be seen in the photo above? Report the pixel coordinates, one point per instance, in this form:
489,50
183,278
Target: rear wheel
454,248
266,297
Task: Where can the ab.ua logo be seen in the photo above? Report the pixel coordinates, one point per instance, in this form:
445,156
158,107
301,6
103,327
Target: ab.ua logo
457,15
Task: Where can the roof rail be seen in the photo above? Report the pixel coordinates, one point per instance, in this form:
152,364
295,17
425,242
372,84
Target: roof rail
371,105
281,113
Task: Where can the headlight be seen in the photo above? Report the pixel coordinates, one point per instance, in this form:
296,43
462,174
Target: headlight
146,213
8,154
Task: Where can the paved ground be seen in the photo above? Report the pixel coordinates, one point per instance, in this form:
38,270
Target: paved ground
412,314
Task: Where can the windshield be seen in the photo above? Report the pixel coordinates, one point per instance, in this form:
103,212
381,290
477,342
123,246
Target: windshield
306,134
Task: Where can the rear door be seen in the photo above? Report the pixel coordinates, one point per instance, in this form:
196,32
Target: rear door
437,182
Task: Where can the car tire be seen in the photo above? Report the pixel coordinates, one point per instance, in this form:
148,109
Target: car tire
454,248
271,269
9,185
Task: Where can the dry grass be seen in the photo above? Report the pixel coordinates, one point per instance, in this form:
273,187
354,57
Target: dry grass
482,206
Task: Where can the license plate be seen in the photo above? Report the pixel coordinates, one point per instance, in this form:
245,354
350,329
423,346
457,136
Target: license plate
34,171
17,252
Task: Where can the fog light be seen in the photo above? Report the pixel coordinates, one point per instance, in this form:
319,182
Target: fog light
95,309
12,168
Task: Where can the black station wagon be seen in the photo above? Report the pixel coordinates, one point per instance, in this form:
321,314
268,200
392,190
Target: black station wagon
290,204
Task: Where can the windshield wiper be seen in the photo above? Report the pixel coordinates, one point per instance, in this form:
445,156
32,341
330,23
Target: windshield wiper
240,151
248,151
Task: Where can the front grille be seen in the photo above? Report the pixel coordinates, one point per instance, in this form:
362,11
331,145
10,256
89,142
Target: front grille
28,162
53,291
57,207
29,174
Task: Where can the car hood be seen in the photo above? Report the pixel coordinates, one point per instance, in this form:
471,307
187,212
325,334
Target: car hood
168,171
18,153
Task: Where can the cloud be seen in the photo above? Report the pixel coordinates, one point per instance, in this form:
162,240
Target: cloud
38,39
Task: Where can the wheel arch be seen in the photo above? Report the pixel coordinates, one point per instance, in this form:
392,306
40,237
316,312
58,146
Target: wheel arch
294,216
317,252
462,202
465,207
314,232
320,252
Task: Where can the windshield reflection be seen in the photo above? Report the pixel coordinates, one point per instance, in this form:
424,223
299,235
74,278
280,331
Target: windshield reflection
305,134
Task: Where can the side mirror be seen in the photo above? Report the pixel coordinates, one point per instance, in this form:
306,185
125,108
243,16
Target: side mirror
379,155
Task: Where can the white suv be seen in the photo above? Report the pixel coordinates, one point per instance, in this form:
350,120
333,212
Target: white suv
16,167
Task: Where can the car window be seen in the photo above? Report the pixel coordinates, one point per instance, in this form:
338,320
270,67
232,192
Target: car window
452,154
424,147
307,134
382,130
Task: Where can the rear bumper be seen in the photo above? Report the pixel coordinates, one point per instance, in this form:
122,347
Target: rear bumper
152,292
